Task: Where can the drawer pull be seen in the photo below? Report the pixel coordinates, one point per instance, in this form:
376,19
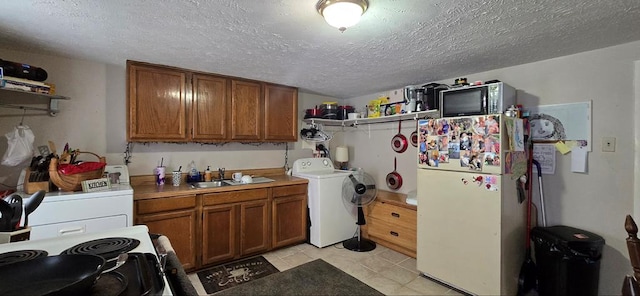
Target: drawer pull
393,233
395,215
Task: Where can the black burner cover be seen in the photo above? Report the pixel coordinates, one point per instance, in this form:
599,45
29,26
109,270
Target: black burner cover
21,255
108,248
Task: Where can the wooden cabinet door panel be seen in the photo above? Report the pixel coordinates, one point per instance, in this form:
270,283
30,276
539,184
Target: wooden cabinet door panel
157,101
180,228
254,229
281,113
209,108
246,110
289,220
219,233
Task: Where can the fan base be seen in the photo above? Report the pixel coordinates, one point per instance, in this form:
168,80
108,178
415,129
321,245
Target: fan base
362,245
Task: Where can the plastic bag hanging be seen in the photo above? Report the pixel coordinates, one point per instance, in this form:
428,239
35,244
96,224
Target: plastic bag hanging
19,146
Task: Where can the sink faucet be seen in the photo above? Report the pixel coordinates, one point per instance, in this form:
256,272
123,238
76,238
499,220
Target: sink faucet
221,173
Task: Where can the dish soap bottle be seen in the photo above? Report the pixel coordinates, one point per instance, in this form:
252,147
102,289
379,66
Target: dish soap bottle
207,175
194,175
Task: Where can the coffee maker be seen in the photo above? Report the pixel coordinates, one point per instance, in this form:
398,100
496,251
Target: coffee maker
409,99
432,95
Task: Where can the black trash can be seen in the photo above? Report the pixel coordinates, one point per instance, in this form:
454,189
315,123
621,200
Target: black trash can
567,260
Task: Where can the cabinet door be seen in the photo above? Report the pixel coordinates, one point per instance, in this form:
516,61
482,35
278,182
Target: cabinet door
280,113
254,227
289,220
180,228
209,105
246,110
219,233
157,100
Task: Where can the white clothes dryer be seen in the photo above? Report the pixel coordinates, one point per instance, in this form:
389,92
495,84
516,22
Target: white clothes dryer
331,221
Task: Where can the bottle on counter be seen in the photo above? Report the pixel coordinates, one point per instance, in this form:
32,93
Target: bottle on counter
207,175
194,175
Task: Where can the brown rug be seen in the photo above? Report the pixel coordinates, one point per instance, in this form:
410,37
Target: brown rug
232,274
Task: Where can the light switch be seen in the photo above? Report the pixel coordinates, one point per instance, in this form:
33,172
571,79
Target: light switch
608,144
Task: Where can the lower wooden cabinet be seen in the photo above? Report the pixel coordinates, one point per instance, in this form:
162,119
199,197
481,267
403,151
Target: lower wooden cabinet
234,224
214,228
176,218
254,227
219,235
392,226
289,215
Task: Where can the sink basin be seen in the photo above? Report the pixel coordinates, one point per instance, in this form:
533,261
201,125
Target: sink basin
256,180
211,184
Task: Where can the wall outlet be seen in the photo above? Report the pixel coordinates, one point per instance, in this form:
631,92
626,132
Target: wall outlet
608,144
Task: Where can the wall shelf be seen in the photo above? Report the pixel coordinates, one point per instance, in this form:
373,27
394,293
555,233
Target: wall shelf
19,99
360,121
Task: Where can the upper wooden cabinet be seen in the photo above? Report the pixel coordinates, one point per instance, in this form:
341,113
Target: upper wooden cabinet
209,108
168,104
280,113
246,110
157,101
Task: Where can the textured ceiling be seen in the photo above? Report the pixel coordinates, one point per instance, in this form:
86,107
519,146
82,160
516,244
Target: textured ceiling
396,43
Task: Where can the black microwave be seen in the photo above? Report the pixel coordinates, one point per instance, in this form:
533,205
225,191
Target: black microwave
493,98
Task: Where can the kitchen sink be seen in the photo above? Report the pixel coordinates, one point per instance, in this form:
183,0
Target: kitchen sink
211,184
256,180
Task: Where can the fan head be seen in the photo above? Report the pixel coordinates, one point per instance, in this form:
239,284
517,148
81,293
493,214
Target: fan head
359,189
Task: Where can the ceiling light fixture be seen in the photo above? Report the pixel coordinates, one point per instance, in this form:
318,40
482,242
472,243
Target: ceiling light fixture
342,14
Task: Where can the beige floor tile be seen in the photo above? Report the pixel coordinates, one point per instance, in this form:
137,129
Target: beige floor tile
340,261
285,252
382,284
280,264
427,286
297,259
409,264
398,274
392,256
376,264
405,291
358,271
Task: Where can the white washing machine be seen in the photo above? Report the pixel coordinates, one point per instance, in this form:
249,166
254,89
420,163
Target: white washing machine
331,221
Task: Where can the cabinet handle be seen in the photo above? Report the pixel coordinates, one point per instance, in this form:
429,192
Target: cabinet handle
79,229
393,233
395,215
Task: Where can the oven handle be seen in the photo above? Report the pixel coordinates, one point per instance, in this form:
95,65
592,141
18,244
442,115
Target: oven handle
80,229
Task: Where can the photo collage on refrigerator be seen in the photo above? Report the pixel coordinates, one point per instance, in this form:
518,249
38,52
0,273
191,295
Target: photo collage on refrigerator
473,142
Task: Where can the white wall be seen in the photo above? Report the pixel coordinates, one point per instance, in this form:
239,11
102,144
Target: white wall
597,201
81,121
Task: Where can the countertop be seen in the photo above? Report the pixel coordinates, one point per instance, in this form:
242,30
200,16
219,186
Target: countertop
141,192
394,198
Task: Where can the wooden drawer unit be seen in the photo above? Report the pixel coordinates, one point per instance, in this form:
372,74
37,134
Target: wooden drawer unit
211,199
392,226
157,205
394,215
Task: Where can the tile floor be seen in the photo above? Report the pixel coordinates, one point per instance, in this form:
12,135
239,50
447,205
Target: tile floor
385,270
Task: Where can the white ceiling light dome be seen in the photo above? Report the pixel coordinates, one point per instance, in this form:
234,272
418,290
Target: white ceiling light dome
342,14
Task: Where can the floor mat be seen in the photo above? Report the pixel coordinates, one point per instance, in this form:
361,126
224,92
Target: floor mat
235,273
313,278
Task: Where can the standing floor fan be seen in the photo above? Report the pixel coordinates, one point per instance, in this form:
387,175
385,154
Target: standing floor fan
359,190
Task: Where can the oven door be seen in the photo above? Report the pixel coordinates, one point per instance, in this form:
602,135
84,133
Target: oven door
464,102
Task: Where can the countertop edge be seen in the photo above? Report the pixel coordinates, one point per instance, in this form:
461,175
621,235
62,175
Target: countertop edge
142,192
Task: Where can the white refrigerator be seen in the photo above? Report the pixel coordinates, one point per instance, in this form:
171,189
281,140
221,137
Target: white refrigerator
471,223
